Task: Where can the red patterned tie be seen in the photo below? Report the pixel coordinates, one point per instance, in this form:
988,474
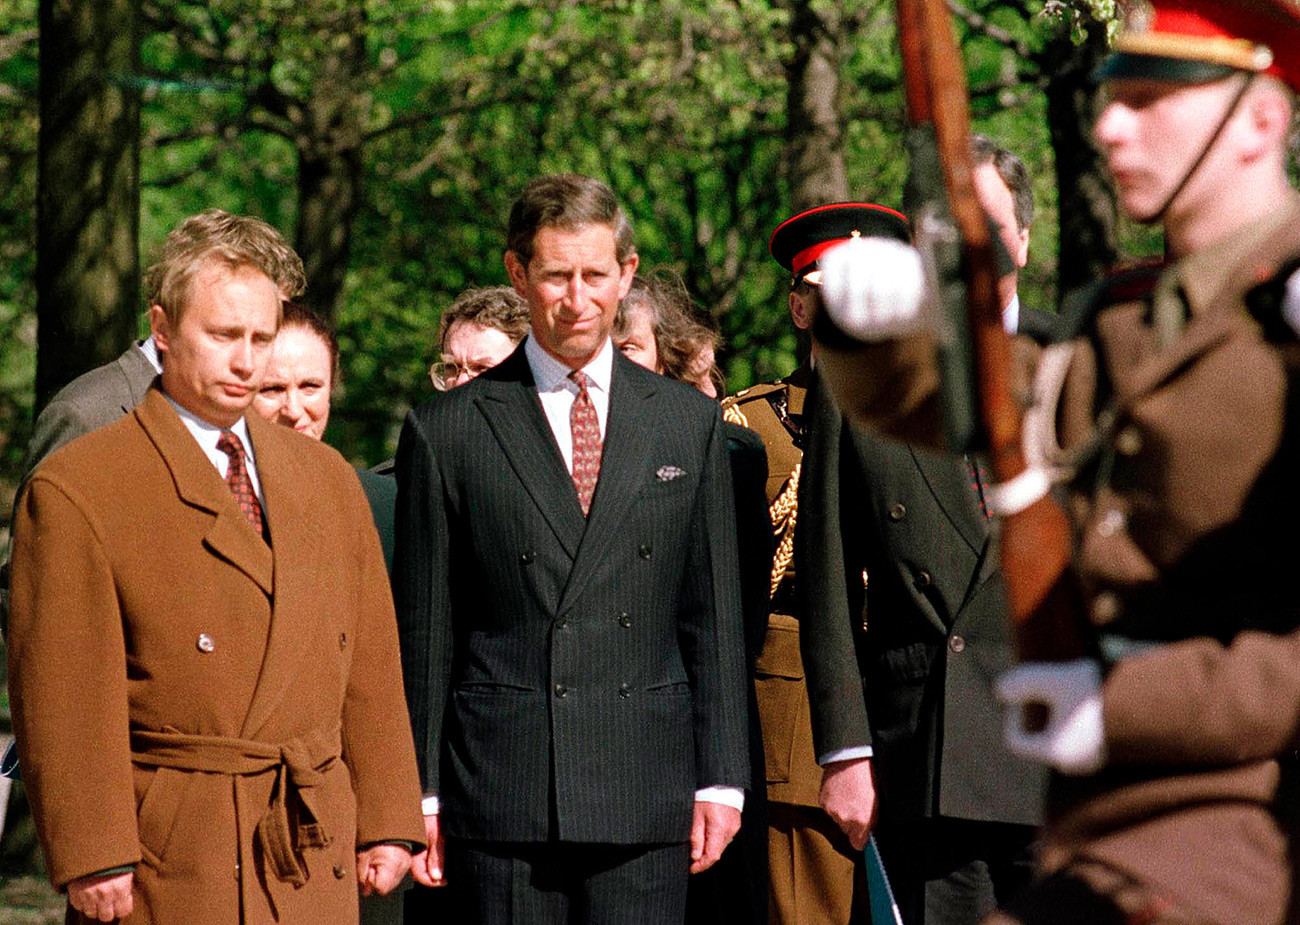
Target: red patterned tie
586,442
239,481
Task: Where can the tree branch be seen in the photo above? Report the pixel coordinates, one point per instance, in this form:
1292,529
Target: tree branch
982,25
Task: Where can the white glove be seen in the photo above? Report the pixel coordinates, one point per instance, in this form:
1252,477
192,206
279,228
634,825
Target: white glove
1074,740
874,288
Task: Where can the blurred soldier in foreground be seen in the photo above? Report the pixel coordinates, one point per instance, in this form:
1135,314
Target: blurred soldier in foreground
1170,426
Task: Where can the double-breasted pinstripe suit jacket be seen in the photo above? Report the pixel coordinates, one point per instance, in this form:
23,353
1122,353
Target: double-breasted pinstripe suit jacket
569,678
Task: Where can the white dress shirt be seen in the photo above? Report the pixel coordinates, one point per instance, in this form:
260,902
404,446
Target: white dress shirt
557,393
150,350
208,434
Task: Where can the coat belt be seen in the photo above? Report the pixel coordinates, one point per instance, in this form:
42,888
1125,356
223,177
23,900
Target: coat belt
300,765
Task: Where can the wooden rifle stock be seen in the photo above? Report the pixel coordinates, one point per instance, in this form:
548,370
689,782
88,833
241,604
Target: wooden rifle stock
1036,543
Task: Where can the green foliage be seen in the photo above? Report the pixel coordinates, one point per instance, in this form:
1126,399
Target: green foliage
679,104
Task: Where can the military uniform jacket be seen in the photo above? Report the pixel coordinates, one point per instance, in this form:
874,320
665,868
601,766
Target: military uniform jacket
1188,501
904,626
217,711
775,411
589,670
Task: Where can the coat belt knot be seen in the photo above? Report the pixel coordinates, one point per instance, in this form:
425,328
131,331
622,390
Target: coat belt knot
290,823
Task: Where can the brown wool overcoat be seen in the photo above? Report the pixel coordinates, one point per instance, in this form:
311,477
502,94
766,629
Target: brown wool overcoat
171,676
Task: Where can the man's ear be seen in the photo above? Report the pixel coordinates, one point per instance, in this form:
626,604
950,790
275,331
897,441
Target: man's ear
1021,256
517,272
159,327
626,272
801,311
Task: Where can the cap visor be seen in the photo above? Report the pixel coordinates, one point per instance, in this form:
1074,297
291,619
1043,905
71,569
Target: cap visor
1128,66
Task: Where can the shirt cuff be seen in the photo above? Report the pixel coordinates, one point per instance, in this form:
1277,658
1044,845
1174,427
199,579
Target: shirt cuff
430,806
727,796
845,754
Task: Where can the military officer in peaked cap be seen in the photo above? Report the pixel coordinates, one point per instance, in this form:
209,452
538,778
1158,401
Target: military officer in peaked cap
1170,424
903,627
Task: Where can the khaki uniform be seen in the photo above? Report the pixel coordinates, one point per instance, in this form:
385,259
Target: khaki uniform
810,861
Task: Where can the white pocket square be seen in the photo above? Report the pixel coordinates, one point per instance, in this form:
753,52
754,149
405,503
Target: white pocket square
668,473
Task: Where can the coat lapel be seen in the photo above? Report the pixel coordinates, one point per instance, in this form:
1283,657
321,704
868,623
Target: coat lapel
514,413
946,478
294,534
197,483
622,461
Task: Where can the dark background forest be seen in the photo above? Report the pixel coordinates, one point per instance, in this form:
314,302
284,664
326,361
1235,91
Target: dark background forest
387,140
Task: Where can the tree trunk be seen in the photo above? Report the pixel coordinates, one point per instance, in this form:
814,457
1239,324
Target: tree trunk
88,191
1085,198
329,142
815,120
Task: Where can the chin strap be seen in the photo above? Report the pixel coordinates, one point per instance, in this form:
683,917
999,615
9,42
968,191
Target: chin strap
1205,151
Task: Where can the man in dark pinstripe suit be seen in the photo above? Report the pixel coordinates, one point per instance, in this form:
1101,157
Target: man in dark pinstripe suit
566,584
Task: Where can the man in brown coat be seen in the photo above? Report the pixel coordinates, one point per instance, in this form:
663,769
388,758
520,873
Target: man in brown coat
202,650
1171,425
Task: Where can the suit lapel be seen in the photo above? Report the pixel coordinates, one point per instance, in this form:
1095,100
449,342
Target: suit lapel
514,413
947,479
622,461
138,374
197,483
294,535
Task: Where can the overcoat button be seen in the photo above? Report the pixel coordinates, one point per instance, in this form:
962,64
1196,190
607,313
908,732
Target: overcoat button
561,623
624,690
924,579
340,871
897,512
644,551
561,690
1105,607
624,620
1129,441
528,557
957,644
205,643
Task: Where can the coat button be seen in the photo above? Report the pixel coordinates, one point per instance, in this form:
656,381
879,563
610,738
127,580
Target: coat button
528,557
644,551
561,690
957,643
204,643
1105,607
1111,522
897,512
924,579
1128,442
340,871
625,690
562,623
624,620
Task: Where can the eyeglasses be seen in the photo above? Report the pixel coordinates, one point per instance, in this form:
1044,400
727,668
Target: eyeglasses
444,373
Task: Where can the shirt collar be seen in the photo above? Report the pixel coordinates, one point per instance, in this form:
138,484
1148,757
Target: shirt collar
208,434
1011,314
550,374
150,350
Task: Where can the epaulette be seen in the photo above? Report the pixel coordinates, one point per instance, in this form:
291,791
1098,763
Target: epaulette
732,413
1125,283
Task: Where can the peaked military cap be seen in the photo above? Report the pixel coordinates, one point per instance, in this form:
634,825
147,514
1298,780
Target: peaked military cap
1197,41
800,240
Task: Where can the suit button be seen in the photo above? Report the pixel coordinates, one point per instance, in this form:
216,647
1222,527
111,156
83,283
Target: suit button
644,551
957,643
897,512
340,871
1129,441
528,557
1105,607
561,690
624,690
624,620
924,579
562,623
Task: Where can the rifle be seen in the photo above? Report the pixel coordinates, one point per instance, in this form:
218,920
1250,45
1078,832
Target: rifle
1045,606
